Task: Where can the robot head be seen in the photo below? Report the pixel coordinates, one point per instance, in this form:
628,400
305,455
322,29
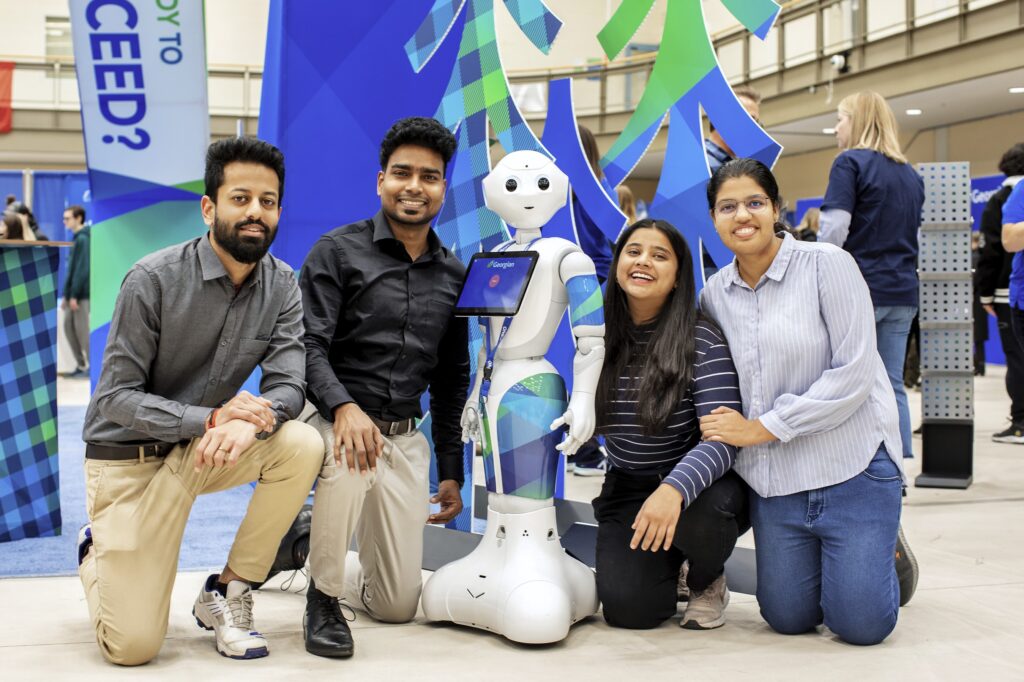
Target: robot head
525,189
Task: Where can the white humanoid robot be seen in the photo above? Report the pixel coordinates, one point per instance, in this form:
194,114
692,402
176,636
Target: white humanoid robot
519,582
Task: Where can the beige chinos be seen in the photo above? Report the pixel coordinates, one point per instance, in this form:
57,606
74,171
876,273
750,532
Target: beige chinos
386,511
138,511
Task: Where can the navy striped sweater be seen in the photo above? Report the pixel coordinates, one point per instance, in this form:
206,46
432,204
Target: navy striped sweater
687,463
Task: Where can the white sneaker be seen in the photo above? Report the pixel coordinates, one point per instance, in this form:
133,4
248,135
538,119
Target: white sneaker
231,618
706,610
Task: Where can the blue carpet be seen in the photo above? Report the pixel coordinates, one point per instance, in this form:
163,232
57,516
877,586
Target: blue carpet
208,536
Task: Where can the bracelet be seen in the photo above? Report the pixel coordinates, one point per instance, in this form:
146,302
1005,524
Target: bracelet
211,419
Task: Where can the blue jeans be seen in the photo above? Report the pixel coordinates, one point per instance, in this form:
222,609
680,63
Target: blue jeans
892,327
828,555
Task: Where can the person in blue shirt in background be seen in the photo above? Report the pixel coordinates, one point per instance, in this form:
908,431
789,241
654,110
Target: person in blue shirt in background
1013,242
872,209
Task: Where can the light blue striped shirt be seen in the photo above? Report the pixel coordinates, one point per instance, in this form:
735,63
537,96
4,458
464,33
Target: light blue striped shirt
803,342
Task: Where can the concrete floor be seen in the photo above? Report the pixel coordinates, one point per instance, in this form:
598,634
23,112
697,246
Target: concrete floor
963,622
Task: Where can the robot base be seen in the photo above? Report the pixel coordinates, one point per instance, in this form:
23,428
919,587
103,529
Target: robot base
518,582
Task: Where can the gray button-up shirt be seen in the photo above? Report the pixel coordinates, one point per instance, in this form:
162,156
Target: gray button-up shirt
803,342
183,341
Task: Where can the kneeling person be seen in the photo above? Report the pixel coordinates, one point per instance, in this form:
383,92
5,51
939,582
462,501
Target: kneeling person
379,298
168,421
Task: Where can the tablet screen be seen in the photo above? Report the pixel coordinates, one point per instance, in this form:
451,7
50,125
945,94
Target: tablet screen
495,283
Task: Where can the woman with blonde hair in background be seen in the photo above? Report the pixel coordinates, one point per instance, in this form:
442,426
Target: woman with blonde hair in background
627,203
872,209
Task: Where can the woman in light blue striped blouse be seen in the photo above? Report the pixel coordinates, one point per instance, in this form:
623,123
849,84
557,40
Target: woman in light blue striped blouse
668,495
819,430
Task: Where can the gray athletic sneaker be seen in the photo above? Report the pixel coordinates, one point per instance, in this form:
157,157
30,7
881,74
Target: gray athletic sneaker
682,589
706,609
230,616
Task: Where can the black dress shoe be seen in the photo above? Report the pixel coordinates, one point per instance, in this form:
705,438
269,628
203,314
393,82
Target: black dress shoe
325,627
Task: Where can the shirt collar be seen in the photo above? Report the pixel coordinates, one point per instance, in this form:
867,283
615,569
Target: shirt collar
776,270
382,231
716,151
212,268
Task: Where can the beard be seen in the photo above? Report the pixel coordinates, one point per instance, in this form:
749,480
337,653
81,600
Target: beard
396,216
244,249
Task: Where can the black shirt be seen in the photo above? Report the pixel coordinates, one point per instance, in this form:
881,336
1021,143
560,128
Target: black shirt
380,328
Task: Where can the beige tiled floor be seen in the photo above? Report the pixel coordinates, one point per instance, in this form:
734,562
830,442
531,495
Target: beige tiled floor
964,621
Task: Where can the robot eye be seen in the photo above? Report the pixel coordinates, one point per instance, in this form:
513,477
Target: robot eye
543,183
511,185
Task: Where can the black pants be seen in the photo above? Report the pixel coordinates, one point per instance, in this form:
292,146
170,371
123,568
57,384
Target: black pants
638,588
1013,348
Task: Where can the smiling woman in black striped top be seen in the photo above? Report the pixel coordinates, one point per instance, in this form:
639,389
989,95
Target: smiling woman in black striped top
668,495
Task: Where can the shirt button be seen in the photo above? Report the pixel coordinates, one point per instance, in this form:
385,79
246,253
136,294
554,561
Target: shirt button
223,343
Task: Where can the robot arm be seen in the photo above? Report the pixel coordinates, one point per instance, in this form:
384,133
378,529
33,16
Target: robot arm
471,412
586,315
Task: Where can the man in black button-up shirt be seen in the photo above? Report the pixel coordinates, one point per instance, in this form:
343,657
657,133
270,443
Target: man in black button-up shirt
378,297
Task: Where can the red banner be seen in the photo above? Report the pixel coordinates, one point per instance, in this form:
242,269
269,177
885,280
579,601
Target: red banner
6,78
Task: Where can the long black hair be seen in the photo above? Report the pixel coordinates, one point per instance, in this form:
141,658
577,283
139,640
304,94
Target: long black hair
667,365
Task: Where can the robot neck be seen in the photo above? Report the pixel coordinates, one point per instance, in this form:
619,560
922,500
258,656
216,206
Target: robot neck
525,236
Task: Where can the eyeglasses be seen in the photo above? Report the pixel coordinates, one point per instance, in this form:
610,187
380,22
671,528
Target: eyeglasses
755,204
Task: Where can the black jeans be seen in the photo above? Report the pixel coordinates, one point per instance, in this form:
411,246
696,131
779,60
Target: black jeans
638,588
1013,348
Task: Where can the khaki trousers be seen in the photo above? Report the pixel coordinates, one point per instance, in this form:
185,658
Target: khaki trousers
138,512
386,511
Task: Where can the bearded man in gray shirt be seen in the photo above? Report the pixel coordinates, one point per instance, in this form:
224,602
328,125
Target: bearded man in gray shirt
168,420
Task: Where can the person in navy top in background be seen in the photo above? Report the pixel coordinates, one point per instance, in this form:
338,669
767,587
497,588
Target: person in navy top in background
668,494
872,208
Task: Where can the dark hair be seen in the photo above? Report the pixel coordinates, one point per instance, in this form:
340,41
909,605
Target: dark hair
1012,162
589,144
22,208
15,229
77,211
667,366
11,199
419,131
244,149
747,168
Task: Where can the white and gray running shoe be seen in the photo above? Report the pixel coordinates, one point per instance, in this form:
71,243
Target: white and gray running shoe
230,616
706,609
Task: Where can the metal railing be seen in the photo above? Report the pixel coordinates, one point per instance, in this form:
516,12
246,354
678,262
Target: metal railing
826,27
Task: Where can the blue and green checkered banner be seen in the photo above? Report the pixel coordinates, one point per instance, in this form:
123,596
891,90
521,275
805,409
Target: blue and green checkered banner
29,484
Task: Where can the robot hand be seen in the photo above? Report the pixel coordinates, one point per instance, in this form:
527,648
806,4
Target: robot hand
581,422
471,421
